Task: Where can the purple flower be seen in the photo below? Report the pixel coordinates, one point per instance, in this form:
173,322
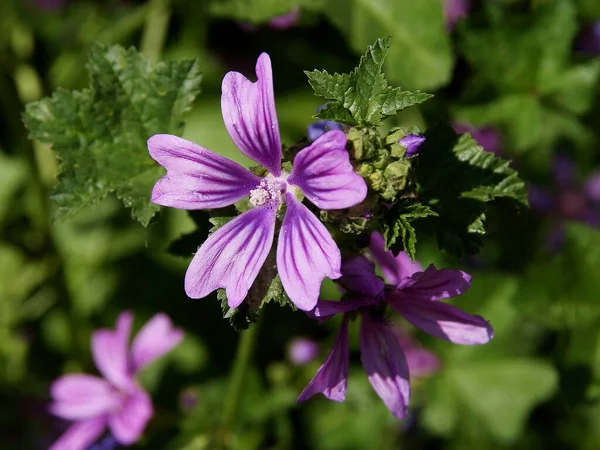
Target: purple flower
114,401
197,178
302,351
320,127
412,143
589,38
454,10
415,295
568,200
282,22
488,137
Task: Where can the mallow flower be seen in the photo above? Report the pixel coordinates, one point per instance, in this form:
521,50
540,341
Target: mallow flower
115,400
412,292
197,178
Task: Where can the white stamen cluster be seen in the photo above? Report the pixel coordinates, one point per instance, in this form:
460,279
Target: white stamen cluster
269,190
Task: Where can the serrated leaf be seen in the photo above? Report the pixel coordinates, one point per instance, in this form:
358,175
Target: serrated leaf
421,57
99,134
362,97
457,178
400,231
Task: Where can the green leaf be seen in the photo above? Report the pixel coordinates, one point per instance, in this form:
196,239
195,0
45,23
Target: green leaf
99,134
421,57
258,11
400,230
457,179
362,97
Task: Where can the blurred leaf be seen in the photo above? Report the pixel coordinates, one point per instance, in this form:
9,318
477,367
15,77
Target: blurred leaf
100,133
363,96
420,57
258,11
12,175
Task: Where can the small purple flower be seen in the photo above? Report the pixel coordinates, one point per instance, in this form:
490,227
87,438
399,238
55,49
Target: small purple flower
302,351
415,295
282,22
488,137
412,143
589,39
114,401
320,127
197,178
568,200
454,10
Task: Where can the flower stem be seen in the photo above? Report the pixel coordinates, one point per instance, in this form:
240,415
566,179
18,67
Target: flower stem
155,29
236,383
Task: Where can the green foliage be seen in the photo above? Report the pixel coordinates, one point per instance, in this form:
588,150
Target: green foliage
258,11
457,179
399,234
526,61
362,97
421,57
99,134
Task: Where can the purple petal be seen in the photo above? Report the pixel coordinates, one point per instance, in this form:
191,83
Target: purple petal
421,362
592,187
385,364
358,275
81,396
306,253
196,177
80,435
327,308
325,175
232,256
332,378
488,137
285,21
250,117
589,38
541,200
394,268
302,351
320,127
434,284
110,352
563,170
155,339
454,10
412,143
443,321
128,425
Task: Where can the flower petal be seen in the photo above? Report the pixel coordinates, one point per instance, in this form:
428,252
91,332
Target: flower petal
331,379
155,339
306,253
394,268
358,275
592,187
385,364
110,352
327,308
324,173
434,284
443,321
81,396
80,435
563,170
128,425
421,361
250,117
196,177
232,256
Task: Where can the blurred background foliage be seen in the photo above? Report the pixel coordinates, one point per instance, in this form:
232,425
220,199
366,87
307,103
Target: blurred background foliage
514,68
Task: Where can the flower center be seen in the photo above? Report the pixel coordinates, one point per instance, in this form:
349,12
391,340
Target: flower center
271,190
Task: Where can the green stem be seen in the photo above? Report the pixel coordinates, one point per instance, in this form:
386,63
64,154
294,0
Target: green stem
155,29
236,383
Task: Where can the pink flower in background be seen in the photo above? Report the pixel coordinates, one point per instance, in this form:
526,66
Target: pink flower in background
197,178
302,351
421,361
454,10
488,137
114,401
413,293
282,22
